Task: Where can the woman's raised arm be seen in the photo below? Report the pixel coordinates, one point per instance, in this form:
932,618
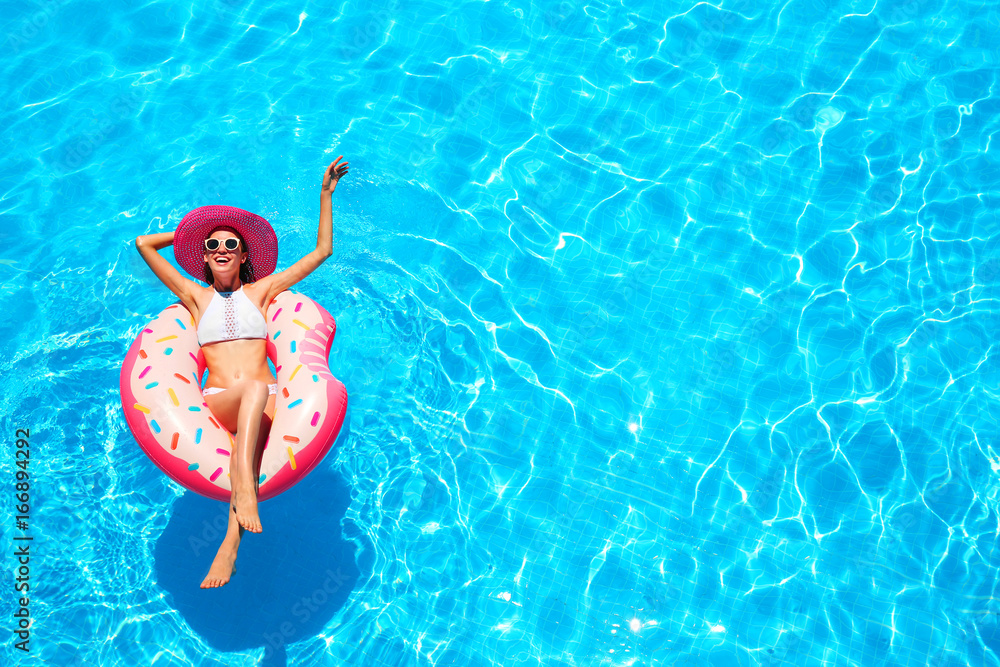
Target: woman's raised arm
277,283
149,247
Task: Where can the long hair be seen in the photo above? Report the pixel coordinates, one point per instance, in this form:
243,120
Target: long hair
246,268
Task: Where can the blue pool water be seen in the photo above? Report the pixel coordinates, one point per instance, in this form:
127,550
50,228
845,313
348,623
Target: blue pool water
668,329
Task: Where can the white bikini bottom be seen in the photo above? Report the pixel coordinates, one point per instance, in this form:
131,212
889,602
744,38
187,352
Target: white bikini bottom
208,391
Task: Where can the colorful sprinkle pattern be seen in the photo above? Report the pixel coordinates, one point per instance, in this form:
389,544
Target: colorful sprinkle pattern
165,408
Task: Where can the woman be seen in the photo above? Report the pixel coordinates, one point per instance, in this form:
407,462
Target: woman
235,252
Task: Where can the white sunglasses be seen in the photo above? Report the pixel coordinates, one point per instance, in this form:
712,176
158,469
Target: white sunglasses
232,243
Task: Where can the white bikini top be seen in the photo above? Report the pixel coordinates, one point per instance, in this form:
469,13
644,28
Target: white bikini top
229,316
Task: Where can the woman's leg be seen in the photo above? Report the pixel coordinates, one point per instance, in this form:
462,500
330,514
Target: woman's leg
224,565
229,412
245,408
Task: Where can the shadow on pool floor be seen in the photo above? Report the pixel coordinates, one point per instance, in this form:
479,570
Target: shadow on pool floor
290,580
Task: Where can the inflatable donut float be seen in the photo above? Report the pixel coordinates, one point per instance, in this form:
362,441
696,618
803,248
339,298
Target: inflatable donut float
161,397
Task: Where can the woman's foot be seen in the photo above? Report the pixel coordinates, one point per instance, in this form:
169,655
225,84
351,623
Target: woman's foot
244,503
223,567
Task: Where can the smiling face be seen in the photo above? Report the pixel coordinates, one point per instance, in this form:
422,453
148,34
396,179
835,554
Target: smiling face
221,260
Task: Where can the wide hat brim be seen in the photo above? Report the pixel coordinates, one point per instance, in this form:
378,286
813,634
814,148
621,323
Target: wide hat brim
197,225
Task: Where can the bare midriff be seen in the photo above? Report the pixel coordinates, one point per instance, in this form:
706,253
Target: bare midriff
231,361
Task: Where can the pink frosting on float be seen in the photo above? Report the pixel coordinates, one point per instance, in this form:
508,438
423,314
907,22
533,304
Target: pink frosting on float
322,424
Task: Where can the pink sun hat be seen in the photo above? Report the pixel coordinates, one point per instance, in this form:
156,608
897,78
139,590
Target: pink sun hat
197,225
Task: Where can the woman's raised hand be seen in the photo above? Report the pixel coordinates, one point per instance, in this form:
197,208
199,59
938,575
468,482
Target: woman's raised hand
333,174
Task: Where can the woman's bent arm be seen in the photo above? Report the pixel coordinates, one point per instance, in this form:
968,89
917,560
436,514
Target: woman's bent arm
149,246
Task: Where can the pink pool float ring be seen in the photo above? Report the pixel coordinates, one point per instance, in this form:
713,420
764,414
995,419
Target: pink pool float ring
161,396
